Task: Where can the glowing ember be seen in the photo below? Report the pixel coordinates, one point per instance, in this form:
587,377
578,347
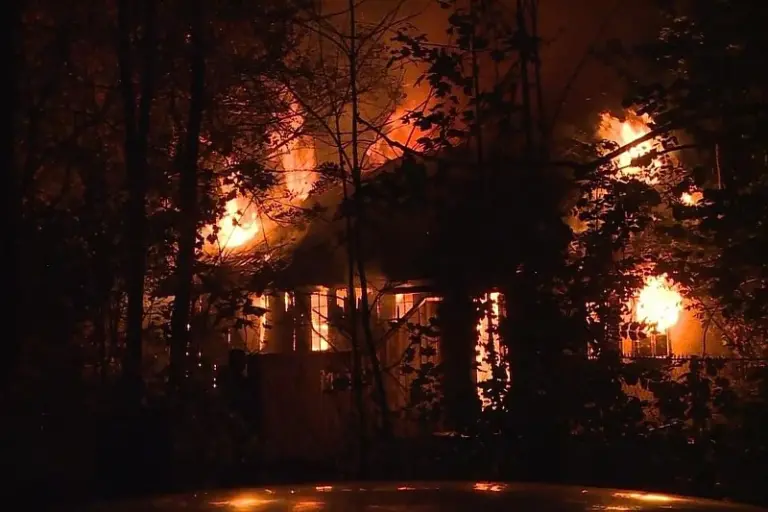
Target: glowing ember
691,199
659,303
625,132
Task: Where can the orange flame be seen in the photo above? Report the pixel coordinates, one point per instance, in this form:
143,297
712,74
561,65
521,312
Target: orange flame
625,132
691,198
484,368
238,226
240,223
659,303
395,130
298,158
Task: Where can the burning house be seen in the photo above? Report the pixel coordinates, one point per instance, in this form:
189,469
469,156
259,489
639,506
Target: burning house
298,332
298,328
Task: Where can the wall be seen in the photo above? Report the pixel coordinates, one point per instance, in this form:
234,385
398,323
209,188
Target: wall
687,336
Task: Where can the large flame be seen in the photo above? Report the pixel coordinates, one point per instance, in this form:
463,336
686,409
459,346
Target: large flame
297,156
625,132
659,303
239,224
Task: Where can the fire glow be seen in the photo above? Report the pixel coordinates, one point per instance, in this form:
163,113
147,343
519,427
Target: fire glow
486,331
691,198
239,224
396,131
298,158
659,303
626,132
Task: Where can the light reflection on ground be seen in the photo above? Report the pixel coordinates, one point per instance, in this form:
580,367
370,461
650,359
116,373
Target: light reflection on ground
427,497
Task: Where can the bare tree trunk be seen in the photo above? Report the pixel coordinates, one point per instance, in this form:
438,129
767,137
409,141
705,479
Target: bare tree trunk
535,55
136,142
357,361
381,395
525,83
12,33
188,201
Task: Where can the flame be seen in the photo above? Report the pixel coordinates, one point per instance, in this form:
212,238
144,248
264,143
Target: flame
625,132
239,224
691,198
659,303
298,157
484,368
395,130
487,487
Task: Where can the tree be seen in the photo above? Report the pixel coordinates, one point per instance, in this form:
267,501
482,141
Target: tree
346,94
13,201
188,186
708,89
137,126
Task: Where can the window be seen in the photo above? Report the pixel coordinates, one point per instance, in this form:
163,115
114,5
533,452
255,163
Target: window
252,337
341,297
319,320
262,302
403,304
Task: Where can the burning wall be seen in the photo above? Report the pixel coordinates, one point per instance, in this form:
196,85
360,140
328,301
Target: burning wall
659,304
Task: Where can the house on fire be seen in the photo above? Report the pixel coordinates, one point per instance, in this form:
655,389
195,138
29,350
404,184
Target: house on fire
299,350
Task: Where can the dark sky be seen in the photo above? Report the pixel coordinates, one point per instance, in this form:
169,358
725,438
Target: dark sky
572,26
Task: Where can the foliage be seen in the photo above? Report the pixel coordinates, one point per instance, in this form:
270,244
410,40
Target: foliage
499,208
710,88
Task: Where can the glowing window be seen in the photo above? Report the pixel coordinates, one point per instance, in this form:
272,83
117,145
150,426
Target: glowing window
341,298
262,302
403,304
319,320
